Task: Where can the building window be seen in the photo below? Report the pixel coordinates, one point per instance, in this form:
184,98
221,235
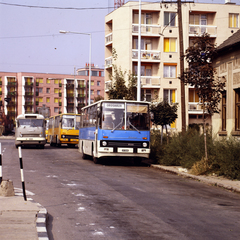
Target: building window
56,109
98,83
193,96
98,92
170,45
56,90
40,99
237,109
56,81
39,80
169,95
40,90
92,83
169,19
92,92
169,71
233,20
48,81
56,100
224,112
48,100
48,90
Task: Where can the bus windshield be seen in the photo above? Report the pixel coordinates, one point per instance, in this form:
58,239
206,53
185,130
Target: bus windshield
118,116
30,122
70,122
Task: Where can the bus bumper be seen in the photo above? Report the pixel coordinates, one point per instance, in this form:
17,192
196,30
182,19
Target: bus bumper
30,141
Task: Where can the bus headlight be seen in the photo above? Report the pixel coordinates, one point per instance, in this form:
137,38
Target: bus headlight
40,135
63,136
144,144
20,135
104,143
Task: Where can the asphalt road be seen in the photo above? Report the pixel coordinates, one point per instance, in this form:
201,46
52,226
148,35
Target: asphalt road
117,200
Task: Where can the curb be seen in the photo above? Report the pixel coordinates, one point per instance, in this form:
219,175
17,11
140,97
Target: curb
205,179
41,221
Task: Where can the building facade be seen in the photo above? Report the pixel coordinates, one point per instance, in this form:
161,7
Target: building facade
227,64
160,58
26,92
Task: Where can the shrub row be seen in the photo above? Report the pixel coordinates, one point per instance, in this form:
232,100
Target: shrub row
188,151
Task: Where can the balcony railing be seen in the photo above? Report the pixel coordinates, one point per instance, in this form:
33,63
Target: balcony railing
108,62
70,85
29,93
147,29
80,105
80,86
29,84
200,29
146,55
60,94
108,85
108,39
28,103
70,95
60,84
70,104
150,81
12,83
195,107
80,95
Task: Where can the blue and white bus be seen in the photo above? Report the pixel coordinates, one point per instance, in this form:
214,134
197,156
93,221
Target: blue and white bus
115,128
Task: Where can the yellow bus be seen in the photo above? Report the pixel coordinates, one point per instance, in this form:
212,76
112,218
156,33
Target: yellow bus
64,129
46,131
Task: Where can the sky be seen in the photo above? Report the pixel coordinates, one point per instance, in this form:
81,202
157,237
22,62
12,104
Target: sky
30,40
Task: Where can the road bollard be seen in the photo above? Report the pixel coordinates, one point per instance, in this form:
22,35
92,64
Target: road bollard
21,169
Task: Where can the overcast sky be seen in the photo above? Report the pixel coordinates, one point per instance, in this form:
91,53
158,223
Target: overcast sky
30,40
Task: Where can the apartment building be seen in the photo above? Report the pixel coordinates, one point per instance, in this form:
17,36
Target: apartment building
160,57
26,92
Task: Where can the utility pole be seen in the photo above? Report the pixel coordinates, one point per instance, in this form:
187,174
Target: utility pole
180,30
181,53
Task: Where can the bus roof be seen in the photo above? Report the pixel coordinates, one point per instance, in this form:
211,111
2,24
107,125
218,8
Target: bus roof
61,114
116,100
30,115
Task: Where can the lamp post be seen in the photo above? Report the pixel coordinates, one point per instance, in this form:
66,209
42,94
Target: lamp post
90,53
139,54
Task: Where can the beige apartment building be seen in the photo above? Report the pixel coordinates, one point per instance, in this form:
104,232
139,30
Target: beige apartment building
26,92
160,46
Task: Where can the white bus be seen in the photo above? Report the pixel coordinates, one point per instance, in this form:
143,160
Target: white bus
30,130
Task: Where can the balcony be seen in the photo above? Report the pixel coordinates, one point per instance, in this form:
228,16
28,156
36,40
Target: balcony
80,86
12,103
28,94
60,85
11,84
28,103
80,95
198,30
29,84
108,62
11,113
108,39
150,82
70,104
146,55
11,94
147,30
60,94
37,83
195,108
70,95
59,103
108,85
69,85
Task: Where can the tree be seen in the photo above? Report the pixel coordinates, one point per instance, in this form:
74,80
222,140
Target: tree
118,89
98,98
163,114
201,75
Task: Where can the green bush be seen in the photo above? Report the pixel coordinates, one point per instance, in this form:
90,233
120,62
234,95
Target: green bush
188,151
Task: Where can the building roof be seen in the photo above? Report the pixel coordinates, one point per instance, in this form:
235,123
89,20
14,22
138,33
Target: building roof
230,42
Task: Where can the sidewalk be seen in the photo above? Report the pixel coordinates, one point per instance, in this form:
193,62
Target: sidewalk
22,220
232,185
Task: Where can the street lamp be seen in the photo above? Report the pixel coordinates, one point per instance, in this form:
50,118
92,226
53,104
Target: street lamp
90,53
